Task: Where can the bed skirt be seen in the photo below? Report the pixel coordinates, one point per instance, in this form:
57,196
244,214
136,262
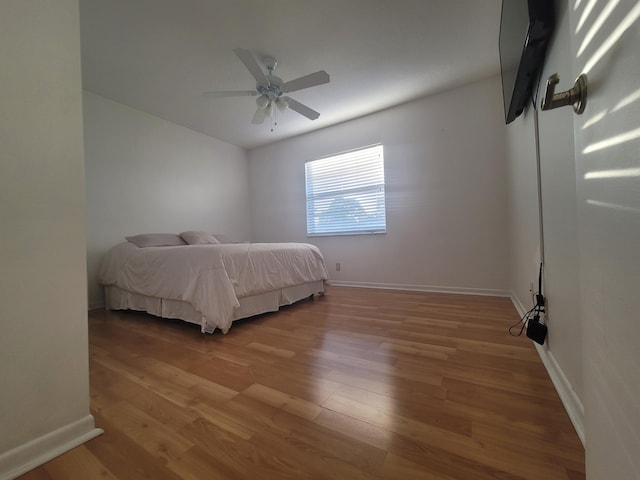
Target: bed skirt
119,299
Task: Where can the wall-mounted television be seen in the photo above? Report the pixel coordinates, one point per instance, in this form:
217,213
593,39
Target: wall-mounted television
525,29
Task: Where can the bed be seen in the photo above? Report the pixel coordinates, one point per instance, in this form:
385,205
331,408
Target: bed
210,284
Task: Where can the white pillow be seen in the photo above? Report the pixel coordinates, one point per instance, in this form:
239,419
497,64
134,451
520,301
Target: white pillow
223,238
199,238
156,240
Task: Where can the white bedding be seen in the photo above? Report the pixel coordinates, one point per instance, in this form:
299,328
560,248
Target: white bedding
211,278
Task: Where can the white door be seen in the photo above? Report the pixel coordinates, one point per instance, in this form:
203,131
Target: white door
605,43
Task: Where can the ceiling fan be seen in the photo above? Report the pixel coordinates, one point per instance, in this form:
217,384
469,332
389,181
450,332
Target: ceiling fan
270,89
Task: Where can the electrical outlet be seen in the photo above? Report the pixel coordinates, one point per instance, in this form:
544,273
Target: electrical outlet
337,267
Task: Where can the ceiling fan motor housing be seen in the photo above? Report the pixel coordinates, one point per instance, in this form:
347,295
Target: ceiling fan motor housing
272,90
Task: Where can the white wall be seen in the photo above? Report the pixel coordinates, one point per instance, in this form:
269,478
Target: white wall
591,223
446,193
562,352
607,161
524,222
144,174
44,399
560,227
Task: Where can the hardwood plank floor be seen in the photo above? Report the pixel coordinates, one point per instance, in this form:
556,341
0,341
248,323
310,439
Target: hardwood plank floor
358,384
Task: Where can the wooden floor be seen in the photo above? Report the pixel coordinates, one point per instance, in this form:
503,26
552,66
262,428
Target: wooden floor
358,384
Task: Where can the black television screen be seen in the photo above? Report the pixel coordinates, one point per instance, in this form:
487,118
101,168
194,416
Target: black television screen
525,29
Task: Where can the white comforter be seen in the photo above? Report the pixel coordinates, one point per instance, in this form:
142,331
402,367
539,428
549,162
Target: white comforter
211,277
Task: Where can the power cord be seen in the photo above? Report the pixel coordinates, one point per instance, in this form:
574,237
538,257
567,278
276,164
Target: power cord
536,330
534,312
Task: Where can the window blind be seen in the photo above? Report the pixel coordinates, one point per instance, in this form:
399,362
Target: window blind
345,193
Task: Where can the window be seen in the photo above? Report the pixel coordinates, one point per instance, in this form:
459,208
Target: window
345,193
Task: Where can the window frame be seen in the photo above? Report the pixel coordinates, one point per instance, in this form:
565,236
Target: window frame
349,191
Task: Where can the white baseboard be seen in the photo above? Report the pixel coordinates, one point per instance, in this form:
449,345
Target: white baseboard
570,400
424,288
516,303
567,394
96,306
42,449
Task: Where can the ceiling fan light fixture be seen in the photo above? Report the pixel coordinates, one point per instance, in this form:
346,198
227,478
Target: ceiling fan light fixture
282,104
268,110
262,101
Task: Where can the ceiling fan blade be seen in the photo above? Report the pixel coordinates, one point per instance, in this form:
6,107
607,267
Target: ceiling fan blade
311,80
251,63
231,93
301,109
259,116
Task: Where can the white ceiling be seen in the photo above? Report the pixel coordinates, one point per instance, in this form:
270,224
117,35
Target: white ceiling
159,56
